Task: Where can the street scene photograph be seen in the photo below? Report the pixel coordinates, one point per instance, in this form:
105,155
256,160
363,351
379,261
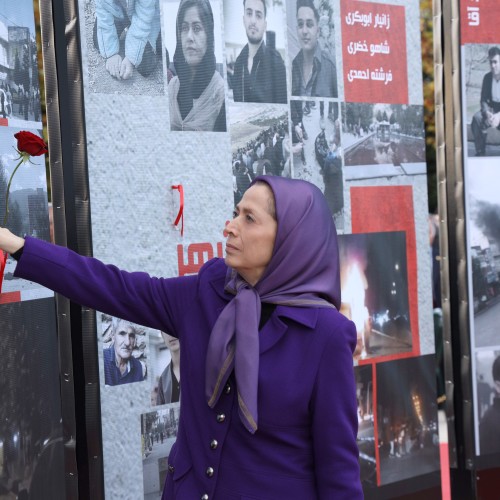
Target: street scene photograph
484,250
158,434
366,431
19,83
408,441
390,136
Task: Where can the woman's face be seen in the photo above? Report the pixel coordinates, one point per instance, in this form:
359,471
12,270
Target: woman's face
251,234
307,29
193,37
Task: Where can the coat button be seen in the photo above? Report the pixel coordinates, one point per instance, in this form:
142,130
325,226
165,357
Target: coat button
171,468
204,497
214,444
210,471
221,417
227,389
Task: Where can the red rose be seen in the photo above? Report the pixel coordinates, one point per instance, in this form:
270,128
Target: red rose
30,143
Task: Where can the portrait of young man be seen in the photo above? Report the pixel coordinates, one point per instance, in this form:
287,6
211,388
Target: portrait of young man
259,73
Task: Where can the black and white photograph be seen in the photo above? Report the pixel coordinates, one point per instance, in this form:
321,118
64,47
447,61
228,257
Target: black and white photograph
488,401
19,84
481,79
311,48
374,281
31,434
28,211
254,37
385,139
164,362
158,434
124,351
484,250
407,420
260,143
317,151
124,47
193,43
366,430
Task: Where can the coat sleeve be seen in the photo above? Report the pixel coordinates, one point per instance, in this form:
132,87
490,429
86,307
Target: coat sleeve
334,419
136,297
140,28
107,37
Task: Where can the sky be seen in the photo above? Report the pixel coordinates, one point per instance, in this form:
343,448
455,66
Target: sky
18,13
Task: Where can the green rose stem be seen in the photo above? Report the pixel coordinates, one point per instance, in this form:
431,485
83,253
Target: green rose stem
24,157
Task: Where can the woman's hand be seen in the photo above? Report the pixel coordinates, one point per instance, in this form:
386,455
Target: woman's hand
9,242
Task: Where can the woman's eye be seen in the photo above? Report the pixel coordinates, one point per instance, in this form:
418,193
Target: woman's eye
235,214
249,218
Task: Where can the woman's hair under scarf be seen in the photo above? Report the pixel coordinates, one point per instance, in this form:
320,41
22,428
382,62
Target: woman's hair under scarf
189,90
303,272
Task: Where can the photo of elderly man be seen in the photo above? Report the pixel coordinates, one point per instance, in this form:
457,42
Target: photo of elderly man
120,364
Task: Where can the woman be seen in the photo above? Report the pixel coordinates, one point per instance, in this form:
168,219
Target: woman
268,407
313,71
196,94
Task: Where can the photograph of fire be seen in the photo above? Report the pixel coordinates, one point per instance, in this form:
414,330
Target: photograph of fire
374,282
407,430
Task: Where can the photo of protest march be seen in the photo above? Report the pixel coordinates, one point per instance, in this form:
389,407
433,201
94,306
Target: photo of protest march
374,280
158,434
389,135
408,439
317,151
19,84
260,143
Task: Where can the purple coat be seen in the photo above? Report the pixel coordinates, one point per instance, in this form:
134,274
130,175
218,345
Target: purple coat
305,446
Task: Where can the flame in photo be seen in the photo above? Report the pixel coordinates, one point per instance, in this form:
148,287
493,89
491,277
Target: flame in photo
354,284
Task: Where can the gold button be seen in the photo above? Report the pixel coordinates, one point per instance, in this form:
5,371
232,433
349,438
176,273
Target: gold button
221,417
210,471
214,444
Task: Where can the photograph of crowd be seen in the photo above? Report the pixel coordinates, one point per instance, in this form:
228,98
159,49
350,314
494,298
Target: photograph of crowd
481,81
488,401
383,134
196,88
124,351
164,363
317,151
260,144
31,434
19,85
408,441
484,250
158,434
124,47
374,281
366,431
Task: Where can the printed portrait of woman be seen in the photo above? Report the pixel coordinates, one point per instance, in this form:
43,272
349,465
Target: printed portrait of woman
196,90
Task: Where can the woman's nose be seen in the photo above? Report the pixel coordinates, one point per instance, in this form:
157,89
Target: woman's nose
230,228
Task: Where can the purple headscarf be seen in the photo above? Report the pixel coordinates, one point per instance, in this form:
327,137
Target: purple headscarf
303,272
